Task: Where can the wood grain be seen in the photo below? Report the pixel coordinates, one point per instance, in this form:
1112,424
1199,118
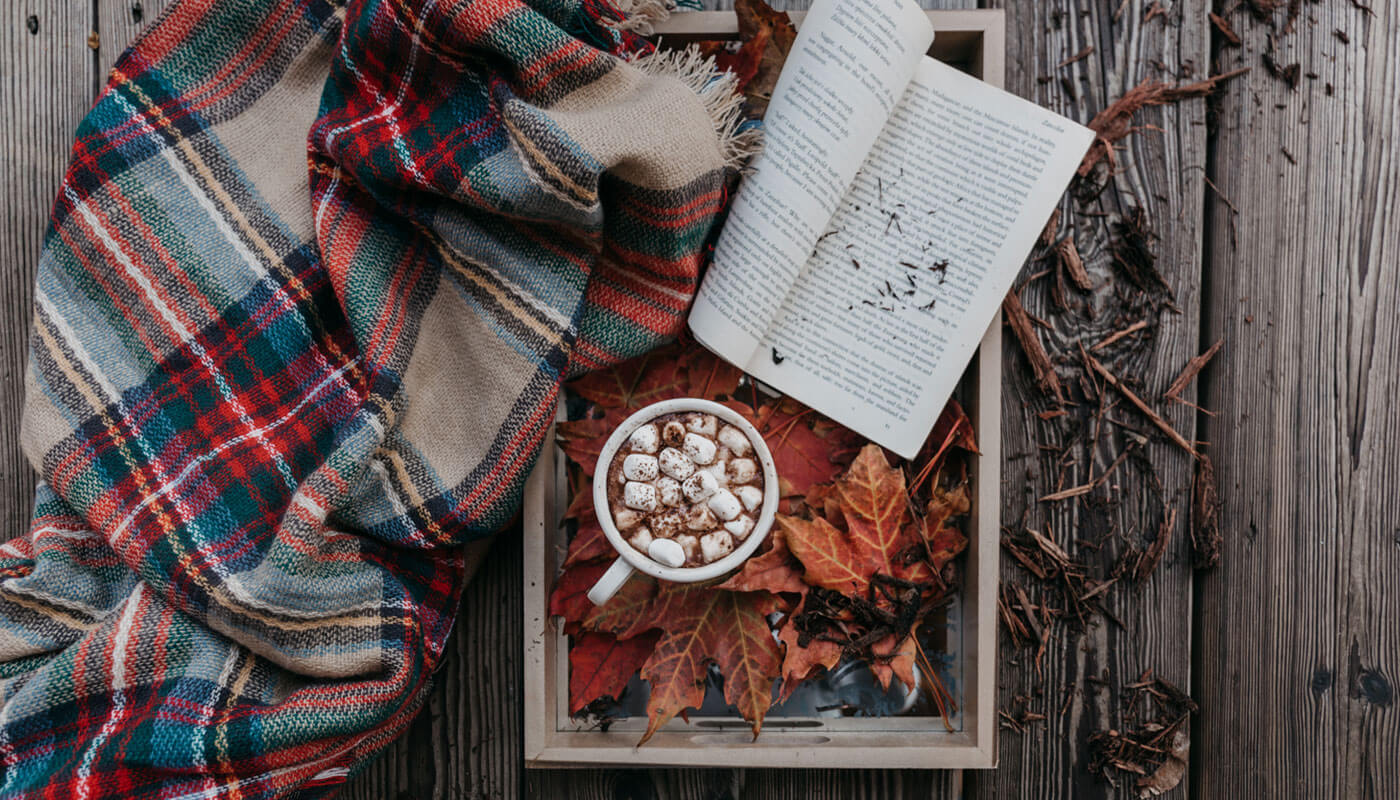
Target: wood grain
47,80
1298,650
1160,171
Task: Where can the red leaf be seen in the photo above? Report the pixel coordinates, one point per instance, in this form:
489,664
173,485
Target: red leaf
628,613
875,504
570,596
583,439
600,666
589,543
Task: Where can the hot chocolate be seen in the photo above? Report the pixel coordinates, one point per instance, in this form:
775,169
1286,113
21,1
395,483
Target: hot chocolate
685,489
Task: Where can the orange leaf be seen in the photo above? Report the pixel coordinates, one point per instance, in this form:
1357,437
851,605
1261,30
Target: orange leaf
600,665
801,663
774,570
943,541
826,554
807,448
898,662
875,504
704,625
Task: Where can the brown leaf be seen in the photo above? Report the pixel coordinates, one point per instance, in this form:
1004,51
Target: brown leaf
944,542
701,625
600,665
676,370
1171,771
774,570
807,448
758,22
801,663
894,662
825,553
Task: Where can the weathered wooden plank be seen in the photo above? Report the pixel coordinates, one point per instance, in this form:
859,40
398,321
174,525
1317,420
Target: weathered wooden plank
46,84
118,23
1160,171
1298,646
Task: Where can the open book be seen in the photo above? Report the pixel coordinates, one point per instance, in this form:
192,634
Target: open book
894,202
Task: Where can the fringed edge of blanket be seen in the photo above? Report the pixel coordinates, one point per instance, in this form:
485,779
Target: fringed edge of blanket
740,138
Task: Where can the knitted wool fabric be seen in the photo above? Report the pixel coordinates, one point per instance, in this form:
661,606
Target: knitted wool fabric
270,404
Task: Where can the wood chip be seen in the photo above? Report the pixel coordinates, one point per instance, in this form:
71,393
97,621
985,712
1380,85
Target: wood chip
1052,228
1147,411
1147,563
1116,121
1190,371
1116,335
1020,323
1226,29
1205,515
1080,56
1068,253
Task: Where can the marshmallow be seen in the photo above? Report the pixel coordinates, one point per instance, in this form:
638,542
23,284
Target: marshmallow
645,439
669,490
703,424
701,519
719,469
750,496
690,545
742,470
667,552
715,545
641,496
734,439
640,467
675,464
626,519
741,526
668,525
673,434
725,505
641,539
699,486
698,449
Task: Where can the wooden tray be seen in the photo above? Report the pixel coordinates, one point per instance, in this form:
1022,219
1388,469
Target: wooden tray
975,42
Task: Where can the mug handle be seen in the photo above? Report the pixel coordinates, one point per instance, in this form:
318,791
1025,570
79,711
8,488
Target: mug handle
611,581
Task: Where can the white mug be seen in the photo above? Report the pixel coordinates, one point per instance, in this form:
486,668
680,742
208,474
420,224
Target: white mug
629,559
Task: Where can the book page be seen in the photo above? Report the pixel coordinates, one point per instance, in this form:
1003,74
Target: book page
916,261
848,67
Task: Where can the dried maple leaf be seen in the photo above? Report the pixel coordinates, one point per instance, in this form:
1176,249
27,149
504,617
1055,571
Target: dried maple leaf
676,370
703,625
600,665
943,541
628,613
808,449
769,36
569,599
894,661
953,429
801,662
773,570
582,439
875,504
589,544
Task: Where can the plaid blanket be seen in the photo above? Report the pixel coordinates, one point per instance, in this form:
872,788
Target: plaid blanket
312,281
